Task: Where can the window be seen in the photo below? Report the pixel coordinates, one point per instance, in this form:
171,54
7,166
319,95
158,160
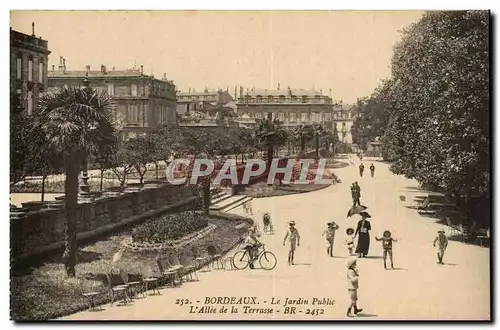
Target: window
282,98
30,70
328,116
270,99
281,116
133,90
292,117
294,98
19,68
303,117
304,99
40,72
133,114
258,115
30,102
111,89
259,99
343,127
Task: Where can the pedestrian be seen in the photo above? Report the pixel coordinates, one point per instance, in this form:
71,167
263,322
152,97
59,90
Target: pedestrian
266,220
361,169
293,238
442,243
356,194
329,233
349,241
387,240
363,231
372,169
352,287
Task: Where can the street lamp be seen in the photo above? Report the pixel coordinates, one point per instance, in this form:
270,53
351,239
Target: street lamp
84,193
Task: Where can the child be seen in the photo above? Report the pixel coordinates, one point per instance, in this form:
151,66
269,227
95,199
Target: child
387,246
293,241
349,241
266,220
352,280
329,233
252,244
442,244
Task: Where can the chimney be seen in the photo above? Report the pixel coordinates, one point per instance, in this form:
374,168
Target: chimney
32,29
235,92
87,67
62,64
330,92
103,69
142,69
278,86
165,76
241,91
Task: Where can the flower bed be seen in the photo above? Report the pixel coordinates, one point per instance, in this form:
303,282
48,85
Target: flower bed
169,228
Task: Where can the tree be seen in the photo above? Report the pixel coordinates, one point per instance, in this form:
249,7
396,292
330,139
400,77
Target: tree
103,160
303,134
438,127
75,122
270,134
139,152
122,164
318,132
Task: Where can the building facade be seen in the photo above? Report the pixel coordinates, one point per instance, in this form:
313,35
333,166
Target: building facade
201,101
28,68
143,102
343,118
292,107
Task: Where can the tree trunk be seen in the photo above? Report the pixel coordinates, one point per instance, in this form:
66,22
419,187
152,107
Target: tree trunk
206,195
157,170
44,177
302,145
101,179
270,151
317,146
71,203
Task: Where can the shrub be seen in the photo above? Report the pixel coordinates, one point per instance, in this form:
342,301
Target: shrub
169,227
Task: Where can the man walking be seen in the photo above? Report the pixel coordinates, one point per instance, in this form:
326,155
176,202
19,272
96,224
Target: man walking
356,194
361,169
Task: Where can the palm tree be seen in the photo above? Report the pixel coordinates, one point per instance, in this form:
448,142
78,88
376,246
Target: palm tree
77,122
318,133
303,133
270,134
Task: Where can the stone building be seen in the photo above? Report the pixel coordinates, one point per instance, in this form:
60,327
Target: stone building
343,118
28,68
143,102
201,101
292,107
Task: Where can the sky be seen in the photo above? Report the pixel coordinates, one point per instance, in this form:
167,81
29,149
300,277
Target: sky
346,51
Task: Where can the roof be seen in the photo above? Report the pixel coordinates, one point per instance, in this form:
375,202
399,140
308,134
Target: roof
95,74
213,93
284,92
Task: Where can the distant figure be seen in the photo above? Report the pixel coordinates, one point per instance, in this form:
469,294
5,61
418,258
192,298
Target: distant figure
252,244
372,169
293,237
352,286
387,246
363,231
356,194
349,241
329,233
361,169
266,220
442,243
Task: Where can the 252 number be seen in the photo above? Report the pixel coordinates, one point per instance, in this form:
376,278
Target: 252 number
182,302
315,311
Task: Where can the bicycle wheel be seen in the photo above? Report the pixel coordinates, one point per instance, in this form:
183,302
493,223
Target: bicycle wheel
241,259
268,260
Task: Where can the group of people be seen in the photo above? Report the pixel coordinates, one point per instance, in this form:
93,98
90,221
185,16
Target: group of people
362,169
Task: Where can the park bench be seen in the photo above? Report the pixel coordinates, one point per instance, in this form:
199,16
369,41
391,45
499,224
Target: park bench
484,237
434,203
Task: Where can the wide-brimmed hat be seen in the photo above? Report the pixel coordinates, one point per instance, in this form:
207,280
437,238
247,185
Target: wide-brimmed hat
351,262
291,223
365,214
441,231
349,231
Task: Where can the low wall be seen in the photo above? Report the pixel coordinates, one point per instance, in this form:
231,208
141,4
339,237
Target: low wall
37,231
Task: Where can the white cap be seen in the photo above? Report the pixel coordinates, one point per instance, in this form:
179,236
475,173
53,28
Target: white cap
351,262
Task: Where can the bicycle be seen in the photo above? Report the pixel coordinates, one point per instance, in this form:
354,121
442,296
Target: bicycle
267,259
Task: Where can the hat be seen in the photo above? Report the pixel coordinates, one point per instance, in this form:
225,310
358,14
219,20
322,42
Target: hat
387,232
349,231
351,262
291,223
365,214
441,231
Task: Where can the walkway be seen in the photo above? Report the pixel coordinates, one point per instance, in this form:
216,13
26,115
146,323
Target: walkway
418,289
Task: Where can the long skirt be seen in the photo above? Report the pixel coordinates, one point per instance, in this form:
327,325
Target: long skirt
363,244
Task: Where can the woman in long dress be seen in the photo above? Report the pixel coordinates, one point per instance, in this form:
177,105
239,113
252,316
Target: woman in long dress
293,237
363,234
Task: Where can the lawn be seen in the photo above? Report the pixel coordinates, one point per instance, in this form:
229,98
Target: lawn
43,292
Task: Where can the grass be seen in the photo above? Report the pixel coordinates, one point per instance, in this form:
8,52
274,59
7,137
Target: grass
43,292
283,190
